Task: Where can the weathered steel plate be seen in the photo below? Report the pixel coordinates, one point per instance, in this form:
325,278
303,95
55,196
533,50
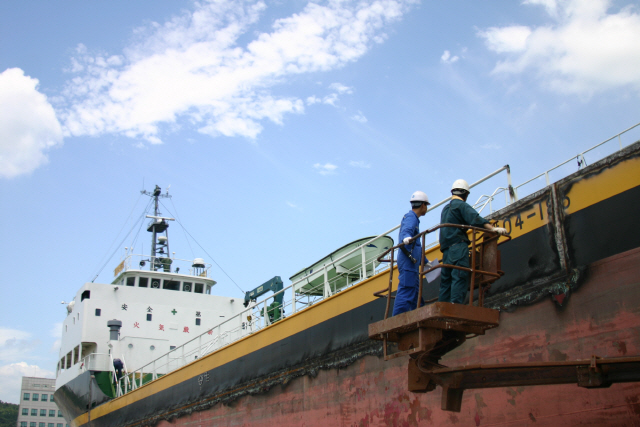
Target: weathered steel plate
440,315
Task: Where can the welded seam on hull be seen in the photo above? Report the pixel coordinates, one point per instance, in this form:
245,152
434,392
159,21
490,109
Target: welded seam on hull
336,360
537,290
558,226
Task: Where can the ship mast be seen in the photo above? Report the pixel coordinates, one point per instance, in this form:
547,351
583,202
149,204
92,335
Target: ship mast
159,245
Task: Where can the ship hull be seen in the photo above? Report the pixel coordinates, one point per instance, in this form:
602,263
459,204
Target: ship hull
571,290
603,318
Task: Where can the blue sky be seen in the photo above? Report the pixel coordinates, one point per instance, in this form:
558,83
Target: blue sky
285,129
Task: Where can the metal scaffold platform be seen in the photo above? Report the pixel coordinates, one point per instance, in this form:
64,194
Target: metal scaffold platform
429,332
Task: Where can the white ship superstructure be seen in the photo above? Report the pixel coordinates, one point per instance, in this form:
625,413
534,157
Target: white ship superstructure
154,304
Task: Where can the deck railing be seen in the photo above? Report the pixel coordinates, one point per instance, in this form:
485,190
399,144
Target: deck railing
256,316
96,362
252,319
100,362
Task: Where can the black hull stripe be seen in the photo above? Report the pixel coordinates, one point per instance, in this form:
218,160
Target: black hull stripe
341,321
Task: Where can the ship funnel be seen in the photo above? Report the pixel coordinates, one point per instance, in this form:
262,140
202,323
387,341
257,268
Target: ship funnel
114,329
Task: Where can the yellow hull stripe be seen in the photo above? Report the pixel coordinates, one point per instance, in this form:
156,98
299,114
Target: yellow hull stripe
608,183
349,299
583,193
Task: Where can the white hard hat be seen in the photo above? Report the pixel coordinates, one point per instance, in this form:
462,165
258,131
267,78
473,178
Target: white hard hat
460,184
419,196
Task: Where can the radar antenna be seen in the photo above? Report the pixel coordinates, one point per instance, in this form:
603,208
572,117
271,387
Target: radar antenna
160,255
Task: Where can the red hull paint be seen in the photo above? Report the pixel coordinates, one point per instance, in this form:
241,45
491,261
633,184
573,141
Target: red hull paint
601,318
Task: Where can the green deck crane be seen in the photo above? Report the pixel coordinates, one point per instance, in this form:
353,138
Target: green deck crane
275,309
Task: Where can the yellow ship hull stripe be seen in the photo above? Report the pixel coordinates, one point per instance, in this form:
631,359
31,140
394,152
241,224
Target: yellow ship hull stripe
350,298
607,183
583,193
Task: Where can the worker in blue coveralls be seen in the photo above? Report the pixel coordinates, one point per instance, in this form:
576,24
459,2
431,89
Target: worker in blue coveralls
454,243
118,366
409,256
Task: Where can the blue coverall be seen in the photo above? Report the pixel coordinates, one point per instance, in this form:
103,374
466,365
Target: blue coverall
118,366
454,245
407,294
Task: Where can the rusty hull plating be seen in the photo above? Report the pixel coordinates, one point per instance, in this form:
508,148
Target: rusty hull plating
571,289
428,333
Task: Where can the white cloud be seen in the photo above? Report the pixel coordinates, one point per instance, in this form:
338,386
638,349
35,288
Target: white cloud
28,124
14,344
359,117
326,169
340,88
193,70
56,332
7,335
330,99
359,164
550,5
586,47
506,39
292,205
11,379
447,58
15,347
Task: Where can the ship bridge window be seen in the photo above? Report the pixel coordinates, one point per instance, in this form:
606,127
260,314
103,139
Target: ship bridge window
131,281
155,283
171,284
199,288
143,282
187,286
85,295
208,289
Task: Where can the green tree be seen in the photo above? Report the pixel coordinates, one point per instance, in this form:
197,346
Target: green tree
8,414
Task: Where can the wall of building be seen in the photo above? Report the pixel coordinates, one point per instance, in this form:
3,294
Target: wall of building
37,407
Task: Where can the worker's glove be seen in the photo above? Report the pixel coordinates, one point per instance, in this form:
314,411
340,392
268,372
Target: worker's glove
500,230
406,240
